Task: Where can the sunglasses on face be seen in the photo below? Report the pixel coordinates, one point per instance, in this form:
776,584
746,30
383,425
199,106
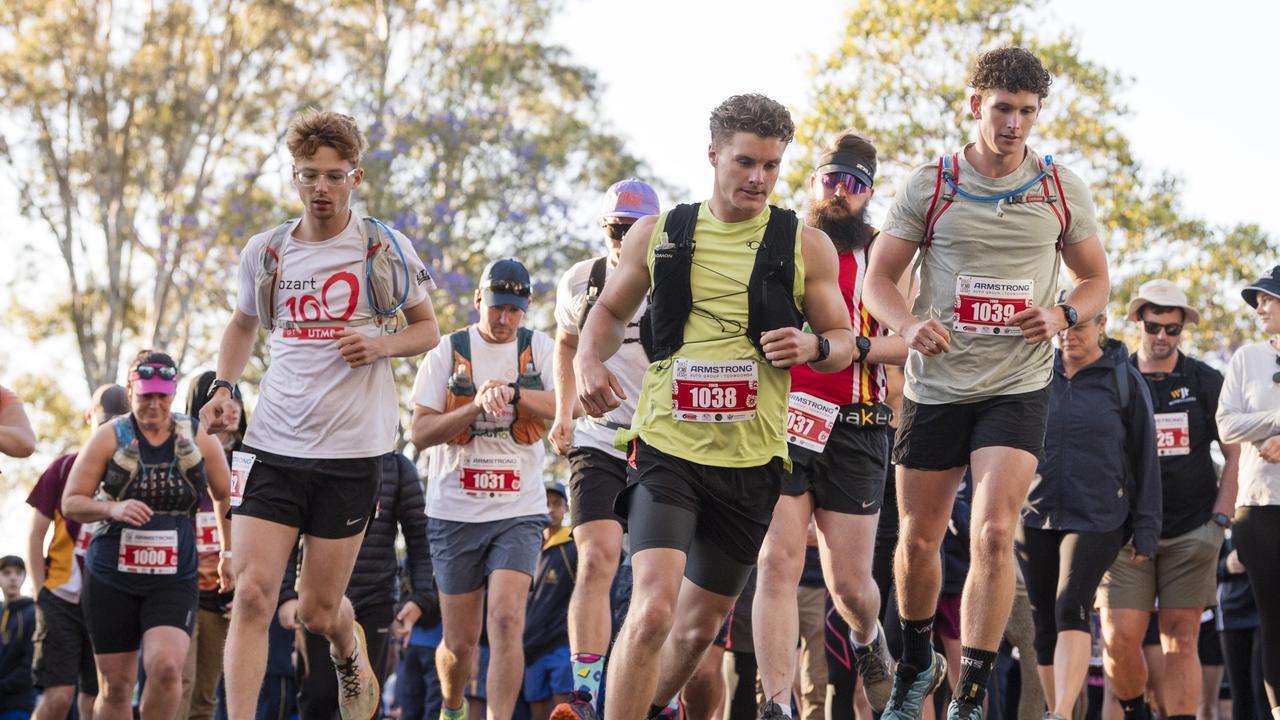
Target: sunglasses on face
146,372
851,184
1154,328
510,287
617,230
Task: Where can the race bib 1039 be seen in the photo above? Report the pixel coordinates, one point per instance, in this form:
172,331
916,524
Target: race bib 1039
984,305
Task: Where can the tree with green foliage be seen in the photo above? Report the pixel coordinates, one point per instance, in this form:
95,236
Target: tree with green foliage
898,76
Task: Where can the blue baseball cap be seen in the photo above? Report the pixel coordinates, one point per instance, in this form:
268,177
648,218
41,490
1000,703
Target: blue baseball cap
630,198
506,282
558,488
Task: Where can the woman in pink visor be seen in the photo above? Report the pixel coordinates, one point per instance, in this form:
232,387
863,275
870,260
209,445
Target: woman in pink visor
140,478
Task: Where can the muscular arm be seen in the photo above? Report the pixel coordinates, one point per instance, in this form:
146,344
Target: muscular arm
890,257
431,427
891,349
35,549
1086,263
422,333
823,307
16,437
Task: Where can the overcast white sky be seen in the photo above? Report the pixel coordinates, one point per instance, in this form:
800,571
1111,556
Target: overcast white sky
1203,96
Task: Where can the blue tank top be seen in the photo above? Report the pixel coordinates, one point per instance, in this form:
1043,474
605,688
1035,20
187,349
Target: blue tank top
170,479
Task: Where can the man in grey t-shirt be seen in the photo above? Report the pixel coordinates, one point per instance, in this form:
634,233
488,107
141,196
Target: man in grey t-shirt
991,224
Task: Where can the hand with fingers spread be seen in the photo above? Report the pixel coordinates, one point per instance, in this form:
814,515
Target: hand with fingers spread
789,346
598,390
358,350
927,337
1039,323
131,512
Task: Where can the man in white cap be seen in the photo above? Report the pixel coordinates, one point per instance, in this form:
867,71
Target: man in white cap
1197,508
598,469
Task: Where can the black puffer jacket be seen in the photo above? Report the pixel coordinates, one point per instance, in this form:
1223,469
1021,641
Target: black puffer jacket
373,582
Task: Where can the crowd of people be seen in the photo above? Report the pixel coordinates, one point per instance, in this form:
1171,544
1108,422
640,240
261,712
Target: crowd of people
816,468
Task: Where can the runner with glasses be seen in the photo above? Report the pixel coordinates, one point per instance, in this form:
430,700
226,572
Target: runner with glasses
1196,505
327,409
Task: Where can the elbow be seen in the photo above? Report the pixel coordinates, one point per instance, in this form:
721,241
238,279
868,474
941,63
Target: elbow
430,337
24,446
73,508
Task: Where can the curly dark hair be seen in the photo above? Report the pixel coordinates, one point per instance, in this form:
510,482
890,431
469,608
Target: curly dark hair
753,113
313,129
1013,69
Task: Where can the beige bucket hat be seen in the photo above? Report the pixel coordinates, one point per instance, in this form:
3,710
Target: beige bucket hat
1161,292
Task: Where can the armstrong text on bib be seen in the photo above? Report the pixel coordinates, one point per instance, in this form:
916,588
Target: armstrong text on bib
809,421
241,464
493,478
984,305
1173,434
148,552
714,390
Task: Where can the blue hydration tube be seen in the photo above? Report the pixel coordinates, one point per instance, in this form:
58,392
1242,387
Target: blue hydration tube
368,274
949,175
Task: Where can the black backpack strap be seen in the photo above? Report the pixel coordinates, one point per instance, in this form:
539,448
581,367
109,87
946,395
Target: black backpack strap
671,296
770,294
595,283
1122,384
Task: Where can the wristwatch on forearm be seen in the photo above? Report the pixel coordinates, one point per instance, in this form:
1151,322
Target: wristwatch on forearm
1222,520
863,344
220,383
824,349
1070,314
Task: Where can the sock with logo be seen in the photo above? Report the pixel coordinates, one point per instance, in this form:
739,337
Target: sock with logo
861,648
975,670
1135,708
656,711
587,671
447,713
917,643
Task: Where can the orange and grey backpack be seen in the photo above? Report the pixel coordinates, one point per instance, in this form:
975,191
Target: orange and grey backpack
461,387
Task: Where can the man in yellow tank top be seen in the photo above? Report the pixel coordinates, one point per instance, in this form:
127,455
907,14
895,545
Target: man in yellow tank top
707,445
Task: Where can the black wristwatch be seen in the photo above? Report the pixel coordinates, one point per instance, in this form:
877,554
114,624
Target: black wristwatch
1222,520
515,399
863,344
824,349
220,383
1070,314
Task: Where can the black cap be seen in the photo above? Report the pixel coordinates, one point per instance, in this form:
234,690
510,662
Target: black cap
506,282
9,561
109,401
845,161
1269,284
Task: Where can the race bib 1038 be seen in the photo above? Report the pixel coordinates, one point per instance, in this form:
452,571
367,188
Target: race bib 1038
714,390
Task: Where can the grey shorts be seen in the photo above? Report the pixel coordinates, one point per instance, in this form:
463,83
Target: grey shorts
1184,574
464,553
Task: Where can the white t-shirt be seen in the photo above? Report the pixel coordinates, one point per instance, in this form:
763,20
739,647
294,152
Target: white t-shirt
1249,414
461,475
628,365
311,403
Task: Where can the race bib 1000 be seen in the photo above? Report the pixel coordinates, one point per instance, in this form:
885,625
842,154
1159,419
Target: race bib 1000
984,305
1173,434
714,390
148,552
809,421
491,478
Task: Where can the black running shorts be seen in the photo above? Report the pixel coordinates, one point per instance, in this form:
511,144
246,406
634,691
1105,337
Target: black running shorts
941,437
847,476
331,499
595,479
118,619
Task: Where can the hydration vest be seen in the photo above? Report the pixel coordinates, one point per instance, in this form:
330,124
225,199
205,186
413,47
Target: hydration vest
461,387
770,298
386,295
126,462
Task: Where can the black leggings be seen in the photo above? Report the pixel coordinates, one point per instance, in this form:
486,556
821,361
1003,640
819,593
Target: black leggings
1256,537
1242,654
1062,570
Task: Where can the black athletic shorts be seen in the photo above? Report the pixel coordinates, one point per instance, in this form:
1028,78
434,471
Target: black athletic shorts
847,476
717,516
63,653
118,619
331,499
595,479
941,437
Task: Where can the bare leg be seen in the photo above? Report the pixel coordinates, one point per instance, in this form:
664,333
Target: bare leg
117,674
1070,666
699,614
775,615
705,692
924,509
634,664
508,593
457,656
164,652
1122,658
1179,637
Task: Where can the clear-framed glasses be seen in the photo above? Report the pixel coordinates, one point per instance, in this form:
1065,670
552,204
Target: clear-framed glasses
332,178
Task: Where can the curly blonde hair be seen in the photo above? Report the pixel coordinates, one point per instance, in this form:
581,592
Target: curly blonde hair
313,129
